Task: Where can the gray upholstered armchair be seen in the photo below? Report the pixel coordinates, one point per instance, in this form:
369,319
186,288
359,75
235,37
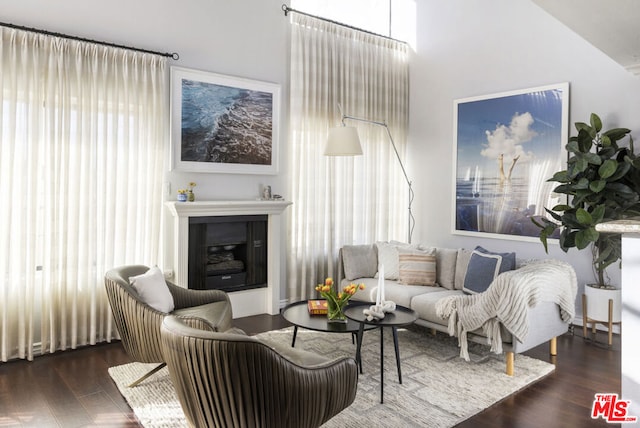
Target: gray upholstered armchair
139,324
234,380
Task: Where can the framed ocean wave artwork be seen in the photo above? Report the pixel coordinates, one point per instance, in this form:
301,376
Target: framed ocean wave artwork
223,124
507,146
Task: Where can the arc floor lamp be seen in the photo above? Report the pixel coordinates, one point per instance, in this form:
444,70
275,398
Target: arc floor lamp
344,141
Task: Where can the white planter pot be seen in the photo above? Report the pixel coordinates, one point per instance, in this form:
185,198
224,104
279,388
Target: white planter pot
597,303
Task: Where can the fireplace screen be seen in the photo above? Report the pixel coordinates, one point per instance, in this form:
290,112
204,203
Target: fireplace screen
228,253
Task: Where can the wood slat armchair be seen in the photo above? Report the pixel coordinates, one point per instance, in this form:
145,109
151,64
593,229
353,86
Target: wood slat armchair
234,380
139,324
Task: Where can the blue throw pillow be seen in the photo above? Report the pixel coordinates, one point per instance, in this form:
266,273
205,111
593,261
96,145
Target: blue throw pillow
483,267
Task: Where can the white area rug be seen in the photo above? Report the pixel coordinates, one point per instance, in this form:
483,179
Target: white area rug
439,388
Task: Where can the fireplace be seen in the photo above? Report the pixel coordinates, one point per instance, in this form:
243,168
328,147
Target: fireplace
228,253
252,291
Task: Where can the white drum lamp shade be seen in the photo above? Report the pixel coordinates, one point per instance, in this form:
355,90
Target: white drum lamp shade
343,141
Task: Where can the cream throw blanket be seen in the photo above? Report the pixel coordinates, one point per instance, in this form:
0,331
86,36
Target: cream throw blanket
506,302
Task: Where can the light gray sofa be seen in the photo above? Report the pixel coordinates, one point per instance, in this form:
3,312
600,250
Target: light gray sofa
359,264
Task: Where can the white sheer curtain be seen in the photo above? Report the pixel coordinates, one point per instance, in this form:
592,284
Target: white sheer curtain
339,201
82,153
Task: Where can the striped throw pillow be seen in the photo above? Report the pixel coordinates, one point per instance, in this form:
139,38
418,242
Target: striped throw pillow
417,267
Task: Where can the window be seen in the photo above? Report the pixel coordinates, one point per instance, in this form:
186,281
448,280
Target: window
391,18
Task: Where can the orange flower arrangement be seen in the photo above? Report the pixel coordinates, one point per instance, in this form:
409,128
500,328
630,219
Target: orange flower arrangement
337,300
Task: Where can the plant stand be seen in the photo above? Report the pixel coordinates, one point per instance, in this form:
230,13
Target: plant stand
605,309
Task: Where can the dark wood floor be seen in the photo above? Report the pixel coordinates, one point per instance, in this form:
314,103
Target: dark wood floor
73,388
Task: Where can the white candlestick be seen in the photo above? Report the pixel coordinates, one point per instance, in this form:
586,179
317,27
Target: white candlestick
380,291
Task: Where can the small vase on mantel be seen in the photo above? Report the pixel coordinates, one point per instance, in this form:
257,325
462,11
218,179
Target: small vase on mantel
191,196
182,197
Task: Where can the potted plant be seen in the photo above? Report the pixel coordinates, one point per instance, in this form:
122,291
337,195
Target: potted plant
602,182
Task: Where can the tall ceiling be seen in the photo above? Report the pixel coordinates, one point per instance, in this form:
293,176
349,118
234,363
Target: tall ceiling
613,26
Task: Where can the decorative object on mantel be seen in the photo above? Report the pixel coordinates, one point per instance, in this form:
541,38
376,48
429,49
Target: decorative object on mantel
187,194
382,306
191,197
268,196
336,301
266,192
604,185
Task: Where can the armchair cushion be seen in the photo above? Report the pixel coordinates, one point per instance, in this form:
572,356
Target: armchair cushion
152,290
216,314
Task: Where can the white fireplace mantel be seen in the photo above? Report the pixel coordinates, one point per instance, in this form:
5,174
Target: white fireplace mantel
246,302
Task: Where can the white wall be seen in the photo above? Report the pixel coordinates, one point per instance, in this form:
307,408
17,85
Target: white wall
477,47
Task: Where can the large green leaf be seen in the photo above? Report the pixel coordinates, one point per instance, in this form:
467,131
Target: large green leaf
585,140
621,189
560,177
583,183
623,169
584,238
616,134
597,186
607,152
584,217
572,146
580,165
593,159
598,214
554,215
608,168
596,123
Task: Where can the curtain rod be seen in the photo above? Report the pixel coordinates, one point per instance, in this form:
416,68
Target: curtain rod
173,55
287,9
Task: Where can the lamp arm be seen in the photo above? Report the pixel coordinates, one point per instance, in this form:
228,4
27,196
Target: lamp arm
395,150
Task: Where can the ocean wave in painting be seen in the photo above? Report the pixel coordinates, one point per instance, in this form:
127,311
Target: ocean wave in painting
226,125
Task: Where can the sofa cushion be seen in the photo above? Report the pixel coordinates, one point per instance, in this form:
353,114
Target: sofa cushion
462,262
359,261
153,290
417,267
425,304
484,266
402,294
446,267
388,256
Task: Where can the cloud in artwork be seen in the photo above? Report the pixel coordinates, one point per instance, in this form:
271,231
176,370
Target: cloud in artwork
508,140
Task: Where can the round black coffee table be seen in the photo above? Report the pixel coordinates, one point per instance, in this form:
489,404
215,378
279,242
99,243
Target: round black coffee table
400,317
298,314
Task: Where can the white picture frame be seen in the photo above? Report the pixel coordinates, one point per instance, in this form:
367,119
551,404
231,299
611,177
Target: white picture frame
507,145
223,124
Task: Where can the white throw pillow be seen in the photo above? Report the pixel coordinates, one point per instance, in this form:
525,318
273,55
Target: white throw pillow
388,256
153,290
